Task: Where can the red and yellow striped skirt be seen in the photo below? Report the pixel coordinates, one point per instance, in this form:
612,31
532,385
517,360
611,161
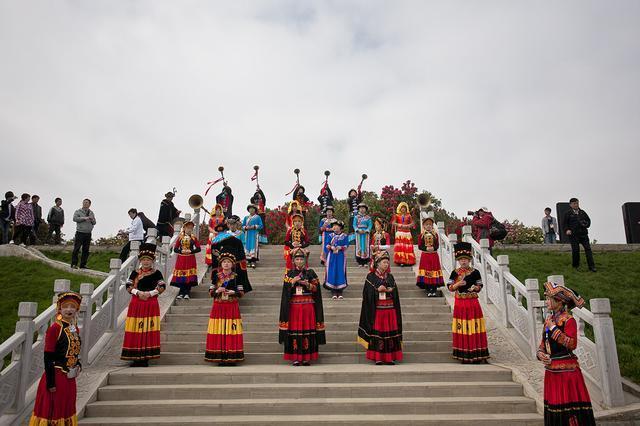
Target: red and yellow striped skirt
403,253
142,330
57,408
469,330
224,333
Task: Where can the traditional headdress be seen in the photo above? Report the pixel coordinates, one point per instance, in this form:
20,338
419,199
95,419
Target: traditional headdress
329,208
187,223
291,204
463,251
299,253
428,218
222,226
69,297
402,204
381,256
297,215
563,294
339,223
228,256
363,205
213,210
147,250
381,221
252,206
169,195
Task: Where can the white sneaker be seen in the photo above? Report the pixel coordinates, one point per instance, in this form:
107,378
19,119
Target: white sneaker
186,297
334,297
180,296
23,245
340,297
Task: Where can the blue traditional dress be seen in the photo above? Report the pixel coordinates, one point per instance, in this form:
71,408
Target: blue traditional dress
362,225
252,225
336,268
324,231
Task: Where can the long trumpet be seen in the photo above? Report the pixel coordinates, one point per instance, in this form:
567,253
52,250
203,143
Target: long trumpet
197,202
255,176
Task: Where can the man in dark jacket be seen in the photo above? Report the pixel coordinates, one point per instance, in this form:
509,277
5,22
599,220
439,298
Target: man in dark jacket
37,218
7,215
56,221
167,215
576,224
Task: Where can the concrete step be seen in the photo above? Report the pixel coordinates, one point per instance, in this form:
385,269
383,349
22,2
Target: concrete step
339,347
251,358
328,317
333,307
317,373
308,390
273,297
272,336
475,419
318,406
200,323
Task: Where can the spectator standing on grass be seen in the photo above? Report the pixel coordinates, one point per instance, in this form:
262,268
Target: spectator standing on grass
7,215
135,233
55,218
549,227
576,225
85,221
24,220
37,218
481,222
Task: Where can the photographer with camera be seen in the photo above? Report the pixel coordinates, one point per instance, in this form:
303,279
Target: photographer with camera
576,225
481,222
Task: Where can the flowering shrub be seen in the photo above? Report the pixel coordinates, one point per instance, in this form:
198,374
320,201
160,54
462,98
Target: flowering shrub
518,233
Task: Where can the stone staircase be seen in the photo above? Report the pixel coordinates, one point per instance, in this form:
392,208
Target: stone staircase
341,388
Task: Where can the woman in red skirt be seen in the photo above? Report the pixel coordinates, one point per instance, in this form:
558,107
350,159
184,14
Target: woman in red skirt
56,398
301,313
380,329
185,273
142,327
224,332
402,223
430,272
468,328
566,398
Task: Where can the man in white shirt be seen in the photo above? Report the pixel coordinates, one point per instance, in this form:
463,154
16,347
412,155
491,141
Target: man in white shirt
135,233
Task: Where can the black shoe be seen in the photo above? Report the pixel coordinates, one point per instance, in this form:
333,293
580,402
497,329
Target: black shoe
379,363
296,363
390,363
593,269
74,267
306,363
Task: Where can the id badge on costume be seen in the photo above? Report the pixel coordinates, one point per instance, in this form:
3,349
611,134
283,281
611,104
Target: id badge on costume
298,291
382,296
225,296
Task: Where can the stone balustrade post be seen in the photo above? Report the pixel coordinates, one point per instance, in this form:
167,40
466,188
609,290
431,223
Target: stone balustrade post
135,249
84,320
453,239
467,235
503,263
177,227
115,266
484,249
166,250
605,341
533,296
60,286
27,311
152,236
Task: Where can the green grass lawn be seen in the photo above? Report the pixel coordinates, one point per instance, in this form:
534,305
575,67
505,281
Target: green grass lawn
24,280
98,261
618,279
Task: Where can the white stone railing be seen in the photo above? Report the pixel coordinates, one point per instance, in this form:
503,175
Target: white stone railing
102,314
518,307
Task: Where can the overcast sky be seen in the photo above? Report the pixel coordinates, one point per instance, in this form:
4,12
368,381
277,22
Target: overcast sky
515,105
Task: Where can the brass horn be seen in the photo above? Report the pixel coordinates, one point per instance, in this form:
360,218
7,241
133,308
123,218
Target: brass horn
197,202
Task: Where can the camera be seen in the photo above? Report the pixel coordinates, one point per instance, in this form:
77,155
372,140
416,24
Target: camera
471,213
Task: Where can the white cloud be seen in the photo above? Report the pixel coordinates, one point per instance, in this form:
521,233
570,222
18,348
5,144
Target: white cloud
515,105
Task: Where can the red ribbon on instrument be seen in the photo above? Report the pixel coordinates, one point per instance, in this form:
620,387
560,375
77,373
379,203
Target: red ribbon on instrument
211,183
255,176
324,187
294,188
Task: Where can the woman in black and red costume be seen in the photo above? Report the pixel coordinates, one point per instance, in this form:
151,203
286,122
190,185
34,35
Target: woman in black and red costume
566,398
56,398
